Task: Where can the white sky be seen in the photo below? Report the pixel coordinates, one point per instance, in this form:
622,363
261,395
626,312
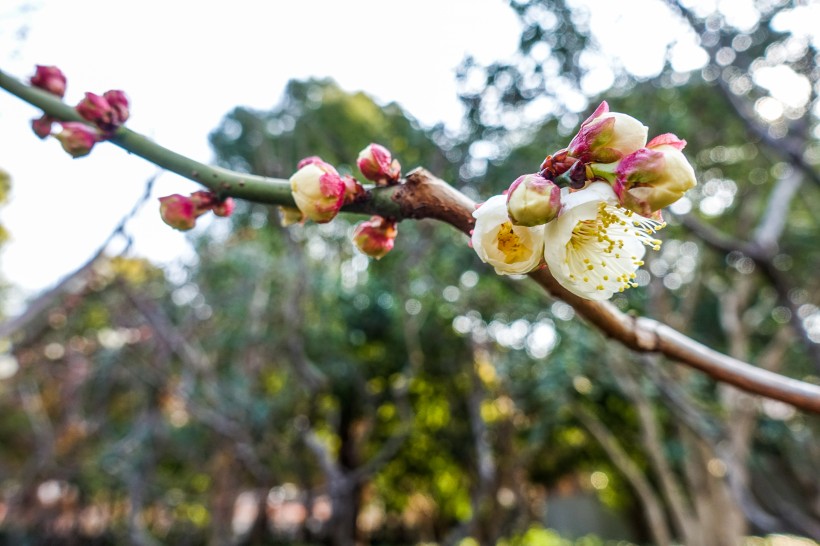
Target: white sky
185,64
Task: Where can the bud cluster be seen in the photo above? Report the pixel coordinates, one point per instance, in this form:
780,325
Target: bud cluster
181,212
319,192
105,113
612,147
593,234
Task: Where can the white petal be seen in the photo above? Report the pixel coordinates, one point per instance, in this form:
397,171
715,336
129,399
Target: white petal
594,248
489,218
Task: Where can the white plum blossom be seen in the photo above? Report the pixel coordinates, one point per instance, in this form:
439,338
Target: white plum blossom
510,249
595,246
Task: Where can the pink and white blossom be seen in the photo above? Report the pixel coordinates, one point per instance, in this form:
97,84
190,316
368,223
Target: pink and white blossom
318,191
378,165
654,177
607,136
375,237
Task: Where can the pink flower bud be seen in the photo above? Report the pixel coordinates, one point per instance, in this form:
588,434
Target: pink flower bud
655,176
225,207
607,136
42,126
178,211
94,108
119,105
77,138
49,78
378,165
100,112
375,237
318,191
533,200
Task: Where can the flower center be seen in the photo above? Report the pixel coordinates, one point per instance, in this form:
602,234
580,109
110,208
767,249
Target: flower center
604,252
511,245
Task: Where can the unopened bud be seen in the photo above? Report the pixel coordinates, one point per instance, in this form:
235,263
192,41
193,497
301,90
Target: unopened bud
101,113
49,78
42,126
377,165
94,108
533,200
318,191
77,138
607,136
119,105
178,211
375,237
654,177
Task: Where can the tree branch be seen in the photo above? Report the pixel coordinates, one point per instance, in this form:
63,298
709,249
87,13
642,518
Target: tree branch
422,195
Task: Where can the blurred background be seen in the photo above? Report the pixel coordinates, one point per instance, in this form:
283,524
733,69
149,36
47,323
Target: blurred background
250,384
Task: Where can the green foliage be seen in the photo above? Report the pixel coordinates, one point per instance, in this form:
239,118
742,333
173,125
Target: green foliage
284,351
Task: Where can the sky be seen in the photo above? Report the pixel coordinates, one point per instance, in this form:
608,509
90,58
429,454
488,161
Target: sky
184,67
186,64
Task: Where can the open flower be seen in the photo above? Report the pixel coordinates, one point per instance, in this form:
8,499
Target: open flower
510,249
654,177
594,247
607,136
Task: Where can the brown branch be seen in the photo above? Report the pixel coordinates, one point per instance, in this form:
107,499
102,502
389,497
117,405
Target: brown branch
434,198
422,195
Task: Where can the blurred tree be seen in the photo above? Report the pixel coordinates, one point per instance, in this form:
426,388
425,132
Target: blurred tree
287,388
738,271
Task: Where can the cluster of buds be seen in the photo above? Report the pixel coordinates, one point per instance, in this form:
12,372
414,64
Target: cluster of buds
319,192
108,112
593,234
105,113
612,147
181,212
